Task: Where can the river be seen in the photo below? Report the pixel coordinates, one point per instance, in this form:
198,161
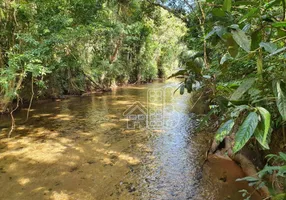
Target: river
84,148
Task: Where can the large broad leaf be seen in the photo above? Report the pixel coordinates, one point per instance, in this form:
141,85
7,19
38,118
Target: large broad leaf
232,46
281,100
245,131
266,121
227,5
241,39
244,87
256,38
269,47
259,135
224,130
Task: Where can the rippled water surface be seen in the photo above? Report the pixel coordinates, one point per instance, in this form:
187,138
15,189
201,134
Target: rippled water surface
81,148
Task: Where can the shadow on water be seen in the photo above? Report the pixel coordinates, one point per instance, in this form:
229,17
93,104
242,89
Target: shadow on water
80,148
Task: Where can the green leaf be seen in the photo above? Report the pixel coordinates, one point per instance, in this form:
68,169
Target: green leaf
266,121
279,24
237,110
232,46
252,12
281,32
221,31
245,131
248,179
244,87
218,12
225,58
271,4
227,5
182,89
189,84
259,135
241,39
282,156
282,171
224,130
256,38
269,47
2,15
268,170
210,33
279,197
281,100
178,73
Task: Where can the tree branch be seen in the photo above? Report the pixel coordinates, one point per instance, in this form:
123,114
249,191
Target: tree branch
174,12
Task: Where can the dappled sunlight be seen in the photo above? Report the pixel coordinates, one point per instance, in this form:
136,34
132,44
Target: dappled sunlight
123,120
130,131
59,196
108,125
23,181
30,110
42,115
125,103
62,117
47,152
131,160
125,157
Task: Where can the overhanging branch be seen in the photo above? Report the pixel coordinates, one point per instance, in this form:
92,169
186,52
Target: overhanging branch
173,11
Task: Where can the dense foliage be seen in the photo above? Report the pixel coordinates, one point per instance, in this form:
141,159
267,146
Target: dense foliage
50,48
242,44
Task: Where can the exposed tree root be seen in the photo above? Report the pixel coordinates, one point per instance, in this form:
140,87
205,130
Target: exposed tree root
246,165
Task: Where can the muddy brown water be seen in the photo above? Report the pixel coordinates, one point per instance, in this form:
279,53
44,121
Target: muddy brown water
82,148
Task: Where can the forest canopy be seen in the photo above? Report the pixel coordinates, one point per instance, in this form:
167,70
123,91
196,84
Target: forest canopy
51,48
